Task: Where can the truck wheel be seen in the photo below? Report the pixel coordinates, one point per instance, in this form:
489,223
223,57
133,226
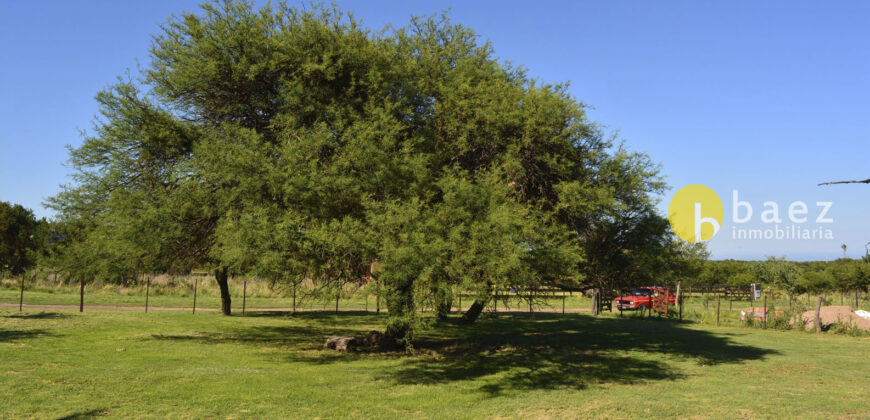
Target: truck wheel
641,307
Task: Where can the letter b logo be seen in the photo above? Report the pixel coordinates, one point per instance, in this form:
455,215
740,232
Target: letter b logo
696,213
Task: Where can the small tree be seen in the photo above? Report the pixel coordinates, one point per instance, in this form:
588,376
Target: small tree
817,282
846,275
19,238
778,272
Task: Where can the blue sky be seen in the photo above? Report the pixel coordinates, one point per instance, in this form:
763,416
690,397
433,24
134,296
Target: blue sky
768,98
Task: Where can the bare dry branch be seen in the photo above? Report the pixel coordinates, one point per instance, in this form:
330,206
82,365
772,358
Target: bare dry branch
866,181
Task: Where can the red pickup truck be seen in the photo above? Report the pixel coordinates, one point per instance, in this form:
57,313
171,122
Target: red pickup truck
639,299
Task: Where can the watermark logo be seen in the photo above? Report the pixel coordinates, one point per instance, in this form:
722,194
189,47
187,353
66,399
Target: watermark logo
696,213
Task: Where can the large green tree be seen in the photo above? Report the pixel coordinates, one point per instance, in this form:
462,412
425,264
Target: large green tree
295,144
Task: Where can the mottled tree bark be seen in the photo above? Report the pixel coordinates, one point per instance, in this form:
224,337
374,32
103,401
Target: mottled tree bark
473,312
222,279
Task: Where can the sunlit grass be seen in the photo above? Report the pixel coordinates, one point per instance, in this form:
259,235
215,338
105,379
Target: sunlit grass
130,364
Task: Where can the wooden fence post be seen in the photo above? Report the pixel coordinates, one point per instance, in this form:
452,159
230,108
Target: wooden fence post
679,299
244,295
818,318
680,302
82,294
764,314
195,283
595,302
147,291
718,304
21,297
649,302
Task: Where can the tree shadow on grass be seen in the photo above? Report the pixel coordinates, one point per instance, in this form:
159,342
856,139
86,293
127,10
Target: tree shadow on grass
516,353
510,352
318,327
297,343
322,315
290,335
286,337
89,414
41,315
13,335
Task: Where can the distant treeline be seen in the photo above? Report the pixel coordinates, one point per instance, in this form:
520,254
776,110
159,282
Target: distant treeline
790,276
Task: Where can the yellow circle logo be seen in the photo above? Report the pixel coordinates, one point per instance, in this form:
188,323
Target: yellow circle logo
696,213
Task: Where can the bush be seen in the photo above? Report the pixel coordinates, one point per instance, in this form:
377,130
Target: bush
847,328
783,323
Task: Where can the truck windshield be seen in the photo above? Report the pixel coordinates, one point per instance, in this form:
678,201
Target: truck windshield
640,292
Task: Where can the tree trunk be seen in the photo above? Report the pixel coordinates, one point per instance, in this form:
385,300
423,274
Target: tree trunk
222,279
818,317
473,312
595,302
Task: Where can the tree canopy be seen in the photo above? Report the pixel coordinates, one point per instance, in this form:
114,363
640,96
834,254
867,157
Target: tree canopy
21,238
289,144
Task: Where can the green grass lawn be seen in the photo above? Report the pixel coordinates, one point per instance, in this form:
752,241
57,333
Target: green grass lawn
174,364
